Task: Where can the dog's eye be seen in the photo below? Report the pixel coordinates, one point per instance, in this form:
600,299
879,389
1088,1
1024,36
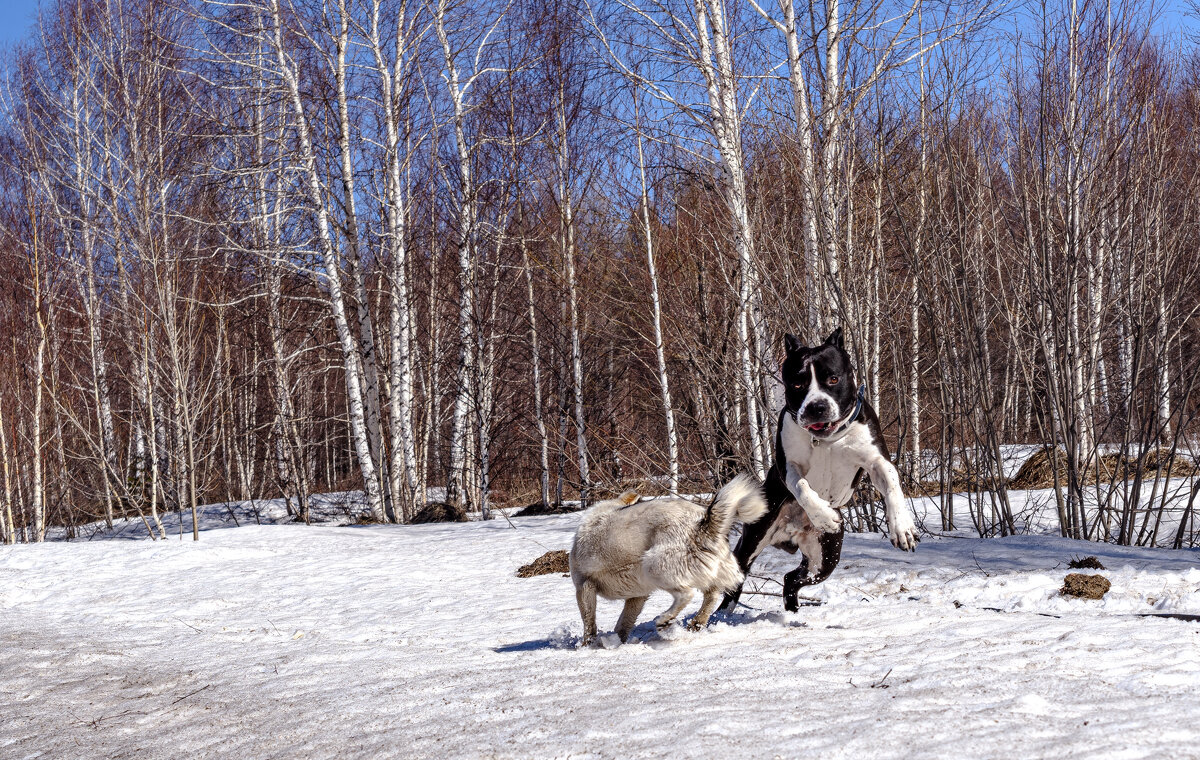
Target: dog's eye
833,380
797,386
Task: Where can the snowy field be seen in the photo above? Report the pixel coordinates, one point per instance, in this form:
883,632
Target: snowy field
285,641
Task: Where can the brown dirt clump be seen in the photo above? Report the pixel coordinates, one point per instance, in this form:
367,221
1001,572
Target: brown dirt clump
439,511
537,508
1085,563
1085,586
547,564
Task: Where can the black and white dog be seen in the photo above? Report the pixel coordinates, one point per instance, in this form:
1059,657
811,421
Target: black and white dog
828,436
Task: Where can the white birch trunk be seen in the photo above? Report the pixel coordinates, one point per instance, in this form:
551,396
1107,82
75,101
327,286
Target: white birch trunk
539,415
465,213
403,442
1161,369
368,360
914,358
97,354
567,239
716,64
333,276
656,316
831,98
814,292
38,486
8,526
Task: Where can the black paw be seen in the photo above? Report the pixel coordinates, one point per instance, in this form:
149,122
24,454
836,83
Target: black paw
791,603
730,601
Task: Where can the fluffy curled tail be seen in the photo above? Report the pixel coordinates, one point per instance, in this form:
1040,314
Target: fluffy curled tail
739,499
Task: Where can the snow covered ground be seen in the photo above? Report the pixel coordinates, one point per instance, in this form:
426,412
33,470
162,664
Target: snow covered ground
289,641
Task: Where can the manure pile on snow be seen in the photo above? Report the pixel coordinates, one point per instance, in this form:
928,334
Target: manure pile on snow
547,564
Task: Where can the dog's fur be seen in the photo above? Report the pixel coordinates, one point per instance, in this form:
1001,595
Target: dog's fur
626,550
821,453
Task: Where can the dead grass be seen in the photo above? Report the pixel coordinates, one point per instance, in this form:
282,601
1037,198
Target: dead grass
547,564
536,509
1038,470
439,511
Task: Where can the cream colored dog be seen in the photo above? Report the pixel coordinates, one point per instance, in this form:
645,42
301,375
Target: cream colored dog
626,550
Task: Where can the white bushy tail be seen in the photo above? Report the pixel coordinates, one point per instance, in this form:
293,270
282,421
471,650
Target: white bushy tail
739,499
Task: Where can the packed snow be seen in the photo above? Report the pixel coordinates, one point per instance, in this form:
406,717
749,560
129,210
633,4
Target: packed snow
280,640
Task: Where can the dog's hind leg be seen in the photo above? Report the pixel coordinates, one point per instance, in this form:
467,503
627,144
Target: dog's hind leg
751,543
629,616
585,595
706,609
681,598
830,552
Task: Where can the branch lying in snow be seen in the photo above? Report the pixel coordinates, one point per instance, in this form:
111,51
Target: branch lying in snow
189,694
95,722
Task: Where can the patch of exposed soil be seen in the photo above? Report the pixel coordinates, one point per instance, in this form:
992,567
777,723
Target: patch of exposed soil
537,508
1085,586
547,564
439,511
1085,563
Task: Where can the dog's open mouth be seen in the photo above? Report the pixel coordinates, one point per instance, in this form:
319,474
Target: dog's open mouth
820,427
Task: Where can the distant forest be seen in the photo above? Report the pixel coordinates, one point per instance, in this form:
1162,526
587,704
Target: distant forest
501,253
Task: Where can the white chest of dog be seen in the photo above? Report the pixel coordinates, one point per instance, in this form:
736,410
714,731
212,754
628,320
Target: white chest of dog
829,467
821,475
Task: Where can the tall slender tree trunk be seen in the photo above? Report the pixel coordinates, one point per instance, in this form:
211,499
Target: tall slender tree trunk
333,275
38,485
539,415
403,469
465,220
569,253
368,360
656,316
716,64
8,526
814,292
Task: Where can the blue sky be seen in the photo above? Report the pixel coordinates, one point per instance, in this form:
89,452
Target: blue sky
16,16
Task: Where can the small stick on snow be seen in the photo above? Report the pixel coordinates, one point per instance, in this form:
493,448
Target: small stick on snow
202,688
189,625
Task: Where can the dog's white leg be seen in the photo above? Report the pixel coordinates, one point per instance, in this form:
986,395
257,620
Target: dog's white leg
629,616
585,595
681,598
901,529
823,517
711,598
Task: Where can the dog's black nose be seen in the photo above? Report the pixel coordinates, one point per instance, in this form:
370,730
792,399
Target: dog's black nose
818,408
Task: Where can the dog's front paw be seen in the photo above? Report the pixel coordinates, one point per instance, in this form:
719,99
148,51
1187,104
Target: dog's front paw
903,535
824,518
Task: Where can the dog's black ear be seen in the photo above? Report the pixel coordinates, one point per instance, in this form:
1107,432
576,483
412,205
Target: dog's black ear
835,339
792,343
